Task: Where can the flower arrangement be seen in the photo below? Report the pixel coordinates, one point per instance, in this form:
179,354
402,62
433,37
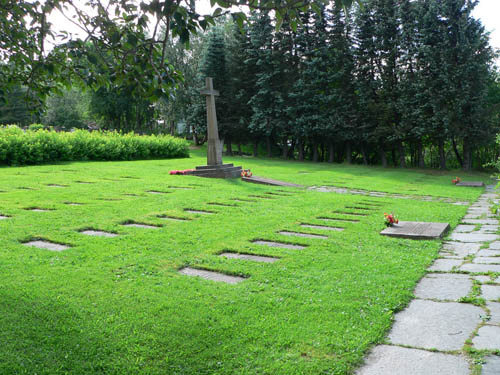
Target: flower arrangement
390,219
246,173
181,172
456,180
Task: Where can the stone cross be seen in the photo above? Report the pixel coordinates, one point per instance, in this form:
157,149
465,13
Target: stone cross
214,149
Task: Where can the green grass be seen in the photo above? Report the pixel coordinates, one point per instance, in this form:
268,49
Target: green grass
119,306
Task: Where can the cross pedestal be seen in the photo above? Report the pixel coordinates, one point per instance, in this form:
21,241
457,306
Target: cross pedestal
214,167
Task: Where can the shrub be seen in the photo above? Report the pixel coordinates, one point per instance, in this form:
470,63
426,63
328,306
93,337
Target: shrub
38,146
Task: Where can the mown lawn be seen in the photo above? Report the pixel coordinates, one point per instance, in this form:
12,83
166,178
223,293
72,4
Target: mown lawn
119,306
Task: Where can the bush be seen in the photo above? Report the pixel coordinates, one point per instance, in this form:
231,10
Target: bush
18,147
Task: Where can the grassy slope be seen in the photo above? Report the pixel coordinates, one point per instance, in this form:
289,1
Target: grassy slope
118,305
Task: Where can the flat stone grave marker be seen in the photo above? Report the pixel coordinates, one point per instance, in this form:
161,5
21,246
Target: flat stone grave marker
416,230
73,204
471,183
260,196
279,194
321,227
304,235
173,218
47,245
349,213
141,225
57,185
211,275
2,217
222,204
180,187
201,212
255,258
281,245
98,233
158,192
269,181
110,199
338,219
38,209
360,208
244,200
84,182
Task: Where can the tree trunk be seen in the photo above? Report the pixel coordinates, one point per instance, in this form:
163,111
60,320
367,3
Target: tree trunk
285,148
255,148
442,156
348,153
393,154
331,152
268,146
420,155
363,153
402,156
240,152
315,151
383,158
301,149
467,164
172,128
457,154
229,148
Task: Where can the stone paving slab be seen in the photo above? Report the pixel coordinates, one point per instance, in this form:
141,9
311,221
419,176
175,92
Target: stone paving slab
473,237
488,337
471,183
482,279
416,230
46,245
488,253
464,228
443,286
481,221
491,365
494,308
488,228
486,260
495,245
483,268
435,325
491,292
211,275
467,248
445,265
255,258
395,360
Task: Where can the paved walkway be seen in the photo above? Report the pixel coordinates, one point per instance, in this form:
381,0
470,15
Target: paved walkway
381,194
429,336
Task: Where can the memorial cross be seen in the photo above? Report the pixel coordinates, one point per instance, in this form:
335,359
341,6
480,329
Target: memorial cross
214,147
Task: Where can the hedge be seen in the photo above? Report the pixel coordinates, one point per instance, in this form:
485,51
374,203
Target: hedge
19,147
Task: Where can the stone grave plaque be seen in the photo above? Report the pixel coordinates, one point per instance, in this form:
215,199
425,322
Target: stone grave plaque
416,230
471,183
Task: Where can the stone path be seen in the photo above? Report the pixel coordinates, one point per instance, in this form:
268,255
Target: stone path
430,335
381,194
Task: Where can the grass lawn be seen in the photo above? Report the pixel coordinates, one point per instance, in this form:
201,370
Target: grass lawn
119,305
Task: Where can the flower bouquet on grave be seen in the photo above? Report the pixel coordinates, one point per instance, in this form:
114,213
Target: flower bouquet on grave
456,180
181,172
390,219
246,173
